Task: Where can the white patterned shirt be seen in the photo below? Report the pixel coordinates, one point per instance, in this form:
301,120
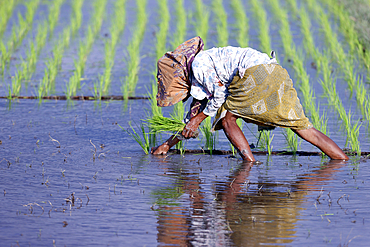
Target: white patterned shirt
214,69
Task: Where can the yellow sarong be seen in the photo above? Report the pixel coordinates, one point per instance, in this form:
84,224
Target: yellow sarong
264,96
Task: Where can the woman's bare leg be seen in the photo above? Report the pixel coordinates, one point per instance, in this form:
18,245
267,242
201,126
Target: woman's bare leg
323,142
236,136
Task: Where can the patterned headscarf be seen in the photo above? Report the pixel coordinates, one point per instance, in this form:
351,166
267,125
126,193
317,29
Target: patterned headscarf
174,70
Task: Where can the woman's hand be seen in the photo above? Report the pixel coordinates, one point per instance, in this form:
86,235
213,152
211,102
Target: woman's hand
193,125
160,150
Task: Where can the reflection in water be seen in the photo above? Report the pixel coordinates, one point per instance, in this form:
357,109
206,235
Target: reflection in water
241,213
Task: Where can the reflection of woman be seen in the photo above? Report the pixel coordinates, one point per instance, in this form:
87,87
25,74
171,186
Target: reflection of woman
238,83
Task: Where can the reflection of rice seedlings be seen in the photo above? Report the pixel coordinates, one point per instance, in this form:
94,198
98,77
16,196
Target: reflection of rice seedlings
266,139
179,36
221,21
202,17
142,138
133,49
163,28
291,140
241,22
6,11
53,17
205,128
76,19
261,16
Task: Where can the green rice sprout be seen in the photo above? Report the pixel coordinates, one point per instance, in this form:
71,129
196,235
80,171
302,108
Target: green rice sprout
164,24
180,34
133,49
241,22
261,16
266,139
291,140
159,124
53,17
210,142
6,12
201,25
178,114
142,138
76,19
85,47
221,22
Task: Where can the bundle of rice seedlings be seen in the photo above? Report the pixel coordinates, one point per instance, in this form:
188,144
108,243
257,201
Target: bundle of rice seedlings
163,124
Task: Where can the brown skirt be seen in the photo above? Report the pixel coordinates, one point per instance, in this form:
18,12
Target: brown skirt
264,96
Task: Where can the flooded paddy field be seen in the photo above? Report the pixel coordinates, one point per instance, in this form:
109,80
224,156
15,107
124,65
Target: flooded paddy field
69,174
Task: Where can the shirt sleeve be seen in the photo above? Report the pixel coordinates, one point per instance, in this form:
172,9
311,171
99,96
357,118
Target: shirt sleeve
220,94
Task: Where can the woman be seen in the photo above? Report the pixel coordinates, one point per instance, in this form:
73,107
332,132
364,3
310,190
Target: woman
242,83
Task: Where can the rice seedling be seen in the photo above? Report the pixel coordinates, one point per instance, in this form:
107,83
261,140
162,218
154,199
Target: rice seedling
140,137
53,17
19,32
161,34
266,139
180,33
201,24
210,137
76,19
291,140
85,47
261,16
159,124
241,22
133,49
6,11
221,22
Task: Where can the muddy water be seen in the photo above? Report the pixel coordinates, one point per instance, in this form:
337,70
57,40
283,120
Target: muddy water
56,187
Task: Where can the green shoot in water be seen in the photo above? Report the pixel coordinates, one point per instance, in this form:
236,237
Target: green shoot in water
142,139
241,23
221,23
201,25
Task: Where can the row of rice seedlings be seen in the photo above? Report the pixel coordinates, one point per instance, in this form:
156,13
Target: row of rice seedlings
6,11
241,23
53,17
18,33
180,33
77,16
347,27
201,24
85,47
28,66
117,27
329,84
133,49
298,64
345,61
221,23
161,34
53,64
261,16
